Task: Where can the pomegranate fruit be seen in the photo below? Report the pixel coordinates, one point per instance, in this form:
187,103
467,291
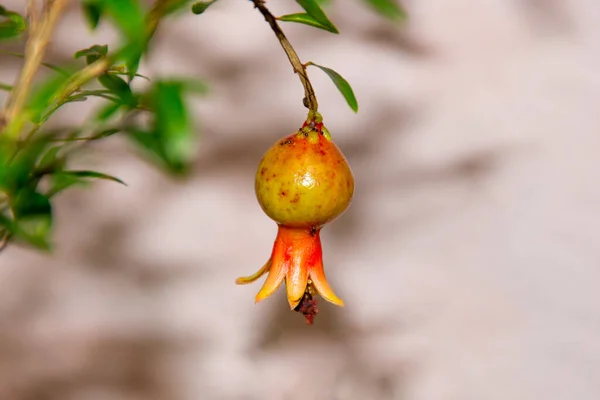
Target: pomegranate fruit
303,182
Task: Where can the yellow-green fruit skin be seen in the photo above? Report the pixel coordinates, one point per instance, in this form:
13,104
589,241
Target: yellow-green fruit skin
304,180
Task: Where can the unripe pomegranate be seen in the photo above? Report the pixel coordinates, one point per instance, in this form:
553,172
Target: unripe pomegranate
302,183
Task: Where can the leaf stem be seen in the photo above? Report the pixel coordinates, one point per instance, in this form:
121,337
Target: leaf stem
310,99
45,64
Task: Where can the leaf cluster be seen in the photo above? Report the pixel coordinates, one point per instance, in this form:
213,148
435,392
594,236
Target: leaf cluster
36,161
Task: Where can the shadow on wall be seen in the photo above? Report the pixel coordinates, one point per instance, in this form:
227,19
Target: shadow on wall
287,330
129,367
81,366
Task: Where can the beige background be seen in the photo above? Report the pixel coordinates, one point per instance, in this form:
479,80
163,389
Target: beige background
469,261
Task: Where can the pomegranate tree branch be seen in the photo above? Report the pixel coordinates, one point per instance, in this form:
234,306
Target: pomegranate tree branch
310,100
40,31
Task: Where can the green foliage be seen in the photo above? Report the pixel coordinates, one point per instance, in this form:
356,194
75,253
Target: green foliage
35,161
93,10
93,53
306,19
387,8
170,141
200,6
79,175
342,85
314,16
129,18
12,24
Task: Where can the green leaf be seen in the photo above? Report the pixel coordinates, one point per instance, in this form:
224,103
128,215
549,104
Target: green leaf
93,53
172,6
4,86
60,181
342,85
387,8
84,94
303,18
17,165
12,24
200,6
314,10
188,85
34,231
149,145
44,97
28,203
93,11
7,225
129,18
108,111
92,174
33,218
173,124
119,87
49,161
171,143
106,132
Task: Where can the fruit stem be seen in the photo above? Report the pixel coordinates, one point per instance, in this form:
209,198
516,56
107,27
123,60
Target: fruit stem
310,100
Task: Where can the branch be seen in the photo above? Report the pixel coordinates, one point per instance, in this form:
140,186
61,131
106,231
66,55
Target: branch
40,32
4,240
310,100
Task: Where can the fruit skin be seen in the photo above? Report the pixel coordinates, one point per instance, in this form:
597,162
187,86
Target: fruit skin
304,180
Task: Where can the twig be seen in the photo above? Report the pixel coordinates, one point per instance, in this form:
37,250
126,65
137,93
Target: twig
45,64
310,100
4,240
40,32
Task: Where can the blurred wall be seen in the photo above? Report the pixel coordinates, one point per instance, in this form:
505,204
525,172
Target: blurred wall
469,260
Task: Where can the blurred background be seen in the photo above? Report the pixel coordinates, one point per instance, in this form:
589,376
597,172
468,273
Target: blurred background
469,261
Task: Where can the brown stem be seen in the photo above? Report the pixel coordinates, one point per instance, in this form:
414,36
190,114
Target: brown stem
40,32
310,100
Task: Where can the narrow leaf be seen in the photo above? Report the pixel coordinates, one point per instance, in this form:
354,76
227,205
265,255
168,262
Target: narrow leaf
342,85
173,124
93,53
303,18
119,87
93,12
106,132
28,203
12,24
108,111
200,6
314,10
92,174
147,143
387,8
129,18
60,181
33,218
17,165
49,160
44,97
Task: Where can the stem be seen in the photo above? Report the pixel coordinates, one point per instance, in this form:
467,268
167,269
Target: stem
4,240
39,35
45,64
310,100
